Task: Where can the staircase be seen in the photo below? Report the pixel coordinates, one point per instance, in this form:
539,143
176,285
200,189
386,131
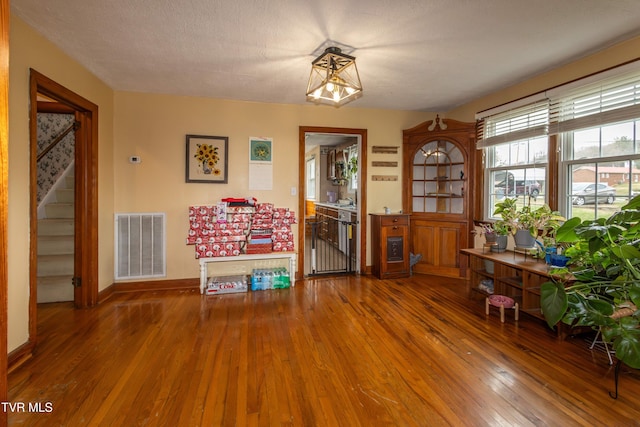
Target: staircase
56,246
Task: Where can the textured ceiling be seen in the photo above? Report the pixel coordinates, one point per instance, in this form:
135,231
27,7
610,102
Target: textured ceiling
425,55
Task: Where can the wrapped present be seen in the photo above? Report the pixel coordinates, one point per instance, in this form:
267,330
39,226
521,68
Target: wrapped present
263,226
261,248
208,250
259,232
230,232
284,221
263,216
255,241
239,218
240,210
281,229
225,239
199,211
259,223
280,236
230,226
283,213
283,246
264,208
201,218
198,240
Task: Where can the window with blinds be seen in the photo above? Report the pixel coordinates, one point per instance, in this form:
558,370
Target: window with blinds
524,122
598,124
597,120
516,154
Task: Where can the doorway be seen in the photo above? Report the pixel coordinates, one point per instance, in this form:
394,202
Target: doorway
85,199
55,197
333,136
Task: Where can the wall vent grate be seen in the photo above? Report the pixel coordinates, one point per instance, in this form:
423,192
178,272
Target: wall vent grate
140,245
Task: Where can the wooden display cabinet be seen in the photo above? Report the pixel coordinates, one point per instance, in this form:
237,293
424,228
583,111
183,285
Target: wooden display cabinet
438,159
390,245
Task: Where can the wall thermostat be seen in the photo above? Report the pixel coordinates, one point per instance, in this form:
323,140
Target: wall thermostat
135,159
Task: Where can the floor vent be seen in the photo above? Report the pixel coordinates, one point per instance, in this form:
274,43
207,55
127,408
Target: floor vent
140,245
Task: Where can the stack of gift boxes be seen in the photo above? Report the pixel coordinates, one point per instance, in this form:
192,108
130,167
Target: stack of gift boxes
222,230
212,237
282,236
271,230
260,233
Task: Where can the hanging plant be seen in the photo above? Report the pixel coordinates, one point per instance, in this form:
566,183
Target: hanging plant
351,167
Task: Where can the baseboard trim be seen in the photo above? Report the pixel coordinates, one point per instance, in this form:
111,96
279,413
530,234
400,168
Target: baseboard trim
154,285
20,355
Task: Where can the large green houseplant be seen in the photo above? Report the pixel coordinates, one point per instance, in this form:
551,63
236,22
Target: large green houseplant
600,287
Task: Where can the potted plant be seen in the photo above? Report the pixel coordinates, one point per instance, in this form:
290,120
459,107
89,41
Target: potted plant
495,234
486,229
351,167
527,223
501,230
600,287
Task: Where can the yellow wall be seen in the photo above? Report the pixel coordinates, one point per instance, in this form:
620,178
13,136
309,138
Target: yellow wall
154,128
29,50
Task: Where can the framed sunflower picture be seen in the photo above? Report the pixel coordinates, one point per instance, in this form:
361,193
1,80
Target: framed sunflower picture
207,159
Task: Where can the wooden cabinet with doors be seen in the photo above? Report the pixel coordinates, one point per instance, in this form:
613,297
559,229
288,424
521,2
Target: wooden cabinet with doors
390,246
328,220
438,158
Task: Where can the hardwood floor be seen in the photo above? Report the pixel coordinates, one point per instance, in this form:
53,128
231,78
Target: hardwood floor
344,351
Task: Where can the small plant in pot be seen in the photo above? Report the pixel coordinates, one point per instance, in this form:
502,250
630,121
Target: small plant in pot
600,287
501,230
495,234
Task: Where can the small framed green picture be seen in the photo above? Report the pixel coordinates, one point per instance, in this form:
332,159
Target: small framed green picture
261,150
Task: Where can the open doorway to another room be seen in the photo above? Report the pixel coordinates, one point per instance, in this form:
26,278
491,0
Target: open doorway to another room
80,220
333,200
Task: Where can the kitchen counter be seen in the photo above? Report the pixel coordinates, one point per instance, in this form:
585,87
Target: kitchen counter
351,208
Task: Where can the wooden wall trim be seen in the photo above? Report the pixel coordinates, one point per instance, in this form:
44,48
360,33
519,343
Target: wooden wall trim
362,200
155,285
86,215
4,200
20,355
54,107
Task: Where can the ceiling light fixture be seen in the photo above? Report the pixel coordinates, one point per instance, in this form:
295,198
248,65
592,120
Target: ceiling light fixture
334,79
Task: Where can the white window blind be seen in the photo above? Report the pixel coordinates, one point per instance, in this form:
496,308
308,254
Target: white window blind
519,123
614,100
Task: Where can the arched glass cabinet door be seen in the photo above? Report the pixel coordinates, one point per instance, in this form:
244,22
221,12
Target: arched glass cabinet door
438,176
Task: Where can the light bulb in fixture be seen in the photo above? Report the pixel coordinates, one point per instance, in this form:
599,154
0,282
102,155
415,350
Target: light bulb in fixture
317,93
350,90
336,96
330,86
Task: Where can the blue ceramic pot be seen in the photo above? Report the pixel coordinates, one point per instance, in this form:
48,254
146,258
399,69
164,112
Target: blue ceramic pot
558,260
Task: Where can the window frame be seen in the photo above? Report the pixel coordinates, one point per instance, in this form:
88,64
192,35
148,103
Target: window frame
311,178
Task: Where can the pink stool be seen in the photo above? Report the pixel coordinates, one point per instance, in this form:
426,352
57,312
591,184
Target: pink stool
501,302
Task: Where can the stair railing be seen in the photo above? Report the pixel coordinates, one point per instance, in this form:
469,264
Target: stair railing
73,127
